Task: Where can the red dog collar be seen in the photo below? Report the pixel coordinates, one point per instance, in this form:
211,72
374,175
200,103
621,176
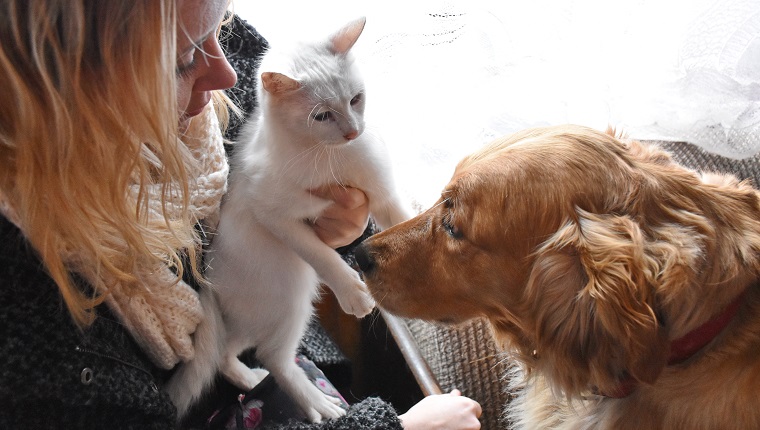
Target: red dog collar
683,348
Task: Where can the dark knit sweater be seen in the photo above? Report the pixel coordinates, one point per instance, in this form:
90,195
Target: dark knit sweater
56,376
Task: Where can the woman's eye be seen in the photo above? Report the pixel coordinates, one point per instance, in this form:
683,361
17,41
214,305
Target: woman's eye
186,64
185,70
323,116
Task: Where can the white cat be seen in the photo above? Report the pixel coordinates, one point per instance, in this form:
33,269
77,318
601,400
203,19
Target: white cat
266,261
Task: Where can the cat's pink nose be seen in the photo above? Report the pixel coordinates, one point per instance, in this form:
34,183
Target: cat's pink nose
352,135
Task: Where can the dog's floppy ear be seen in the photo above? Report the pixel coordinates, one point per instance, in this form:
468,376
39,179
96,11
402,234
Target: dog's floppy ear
592,296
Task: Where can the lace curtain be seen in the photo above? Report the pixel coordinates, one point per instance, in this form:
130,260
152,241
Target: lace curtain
444,77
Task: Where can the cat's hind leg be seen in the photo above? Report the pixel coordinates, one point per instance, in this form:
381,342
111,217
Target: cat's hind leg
316,404
277,350
235,371
241,375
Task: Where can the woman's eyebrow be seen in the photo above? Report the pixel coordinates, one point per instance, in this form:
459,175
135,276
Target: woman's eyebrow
197,43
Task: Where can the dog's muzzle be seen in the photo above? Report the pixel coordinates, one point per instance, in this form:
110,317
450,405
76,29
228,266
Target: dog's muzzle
364,258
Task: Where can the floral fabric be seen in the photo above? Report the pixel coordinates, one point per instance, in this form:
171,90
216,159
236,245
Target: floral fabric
267,403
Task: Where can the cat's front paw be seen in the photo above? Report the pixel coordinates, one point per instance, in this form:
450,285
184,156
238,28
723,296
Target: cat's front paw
357,300
324,406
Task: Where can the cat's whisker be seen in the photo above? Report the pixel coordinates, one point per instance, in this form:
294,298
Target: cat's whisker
310,118
332,162
337,112
372,131
331,97
323,149
295,163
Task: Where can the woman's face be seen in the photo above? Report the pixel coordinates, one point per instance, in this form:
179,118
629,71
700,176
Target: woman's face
201,65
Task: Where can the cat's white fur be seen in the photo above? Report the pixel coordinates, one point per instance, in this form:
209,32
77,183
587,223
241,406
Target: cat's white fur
266,261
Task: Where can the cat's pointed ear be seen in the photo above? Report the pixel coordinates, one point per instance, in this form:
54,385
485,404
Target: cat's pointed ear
345,38
277,83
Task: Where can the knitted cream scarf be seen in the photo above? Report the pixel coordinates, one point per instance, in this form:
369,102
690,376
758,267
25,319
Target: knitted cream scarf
162,319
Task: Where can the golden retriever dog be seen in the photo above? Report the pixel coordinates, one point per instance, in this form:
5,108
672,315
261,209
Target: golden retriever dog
624,285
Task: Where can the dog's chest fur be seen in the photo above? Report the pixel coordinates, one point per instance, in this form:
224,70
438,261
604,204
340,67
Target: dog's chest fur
715,388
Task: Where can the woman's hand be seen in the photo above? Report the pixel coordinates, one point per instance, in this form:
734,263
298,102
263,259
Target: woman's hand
346,219
450,411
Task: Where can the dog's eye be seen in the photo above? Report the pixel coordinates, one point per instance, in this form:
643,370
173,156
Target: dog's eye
453,231
450,228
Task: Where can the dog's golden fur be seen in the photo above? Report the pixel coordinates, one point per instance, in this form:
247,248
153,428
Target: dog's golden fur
589,253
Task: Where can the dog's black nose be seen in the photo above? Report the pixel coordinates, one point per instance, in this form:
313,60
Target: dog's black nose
364,259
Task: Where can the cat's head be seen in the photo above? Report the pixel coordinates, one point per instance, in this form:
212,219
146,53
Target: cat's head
316,91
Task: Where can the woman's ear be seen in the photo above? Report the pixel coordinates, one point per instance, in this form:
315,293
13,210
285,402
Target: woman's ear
593,293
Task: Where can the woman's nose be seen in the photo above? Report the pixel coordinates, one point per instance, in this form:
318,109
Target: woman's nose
217,74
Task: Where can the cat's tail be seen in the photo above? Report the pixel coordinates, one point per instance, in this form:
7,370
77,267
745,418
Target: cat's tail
193,377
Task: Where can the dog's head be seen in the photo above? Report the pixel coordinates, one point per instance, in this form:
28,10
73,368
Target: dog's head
581,249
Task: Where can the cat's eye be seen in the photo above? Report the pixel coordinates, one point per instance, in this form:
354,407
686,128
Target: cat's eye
357,98
323,116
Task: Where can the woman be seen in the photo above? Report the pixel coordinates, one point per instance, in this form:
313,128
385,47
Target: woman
111,152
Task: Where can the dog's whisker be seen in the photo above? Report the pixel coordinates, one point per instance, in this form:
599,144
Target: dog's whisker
442,202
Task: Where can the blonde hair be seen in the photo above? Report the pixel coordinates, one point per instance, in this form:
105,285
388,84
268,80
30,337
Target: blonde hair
88,115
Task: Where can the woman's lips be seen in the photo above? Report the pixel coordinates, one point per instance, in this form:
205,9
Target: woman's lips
184,120
191,113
